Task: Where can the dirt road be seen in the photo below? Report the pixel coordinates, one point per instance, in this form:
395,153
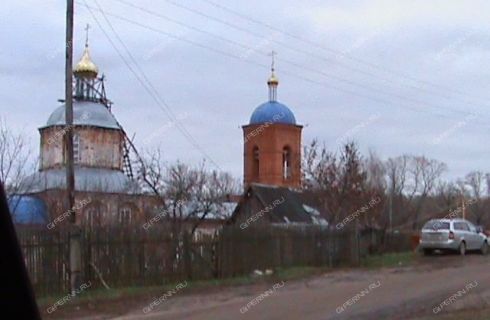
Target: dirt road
395,293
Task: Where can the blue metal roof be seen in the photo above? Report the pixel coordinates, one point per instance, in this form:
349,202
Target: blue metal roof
272,112
27,210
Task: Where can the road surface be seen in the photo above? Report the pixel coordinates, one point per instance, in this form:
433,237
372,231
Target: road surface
393,293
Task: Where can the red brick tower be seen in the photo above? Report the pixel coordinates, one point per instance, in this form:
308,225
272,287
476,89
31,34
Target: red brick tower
272,143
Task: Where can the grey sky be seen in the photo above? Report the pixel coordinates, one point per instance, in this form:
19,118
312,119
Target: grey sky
442,42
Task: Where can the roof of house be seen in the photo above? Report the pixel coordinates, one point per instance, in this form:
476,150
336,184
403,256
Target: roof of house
285,205
27,210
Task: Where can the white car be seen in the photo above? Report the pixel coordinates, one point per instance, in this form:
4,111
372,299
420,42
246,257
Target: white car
452,234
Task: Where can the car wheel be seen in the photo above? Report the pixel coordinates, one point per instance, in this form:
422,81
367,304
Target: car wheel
427,252
484,248
462,248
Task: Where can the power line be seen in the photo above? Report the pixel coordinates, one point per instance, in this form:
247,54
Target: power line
148,86
167,108
333,51
417,109
337,78
320,57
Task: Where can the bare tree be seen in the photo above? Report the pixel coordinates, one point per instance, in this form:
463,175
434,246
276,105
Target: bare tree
411,181
397,176
397,170
377,186
424,176
376,171
321,176
341,182
477,184
188,195
446,196
16,160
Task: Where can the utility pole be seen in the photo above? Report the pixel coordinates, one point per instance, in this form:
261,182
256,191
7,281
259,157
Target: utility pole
390,210
75,250
464,207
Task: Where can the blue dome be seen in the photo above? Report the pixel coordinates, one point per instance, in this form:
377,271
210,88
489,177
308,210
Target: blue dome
27,210
272,112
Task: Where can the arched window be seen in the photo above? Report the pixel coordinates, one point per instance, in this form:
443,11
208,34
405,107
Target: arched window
124,216
93,215
286,163
256,162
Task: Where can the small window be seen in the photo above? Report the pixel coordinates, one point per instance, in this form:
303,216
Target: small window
93,217
124,217
256,162
286,163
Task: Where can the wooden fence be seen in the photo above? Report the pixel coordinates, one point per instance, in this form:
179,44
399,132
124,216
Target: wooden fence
123,257
46,254
265,248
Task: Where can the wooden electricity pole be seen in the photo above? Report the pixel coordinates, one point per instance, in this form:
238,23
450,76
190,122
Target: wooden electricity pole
75,250
464,207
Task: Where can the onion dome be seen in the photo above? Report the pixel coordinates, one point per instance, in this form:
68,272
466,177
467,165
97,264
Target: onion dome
272,111
273,80
85,68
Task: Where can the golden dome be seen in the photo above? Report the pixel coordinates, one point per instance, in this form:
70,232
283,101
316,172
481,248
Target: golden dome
273,79
85,67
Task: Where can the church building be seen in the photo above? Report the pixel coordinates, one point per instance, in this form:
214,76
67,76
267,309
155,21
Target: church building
272,143
106,191
272,168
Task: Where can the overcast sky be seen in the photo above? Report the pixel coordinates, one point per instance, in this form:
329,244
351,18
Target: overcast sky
396,76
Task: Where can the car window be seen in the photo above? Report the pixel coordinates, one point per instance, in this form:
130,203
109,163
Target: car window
461,226
471,227
436,225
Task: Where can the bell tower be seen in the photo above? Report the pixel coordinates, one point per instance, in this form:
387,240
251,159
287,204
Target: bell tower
272,142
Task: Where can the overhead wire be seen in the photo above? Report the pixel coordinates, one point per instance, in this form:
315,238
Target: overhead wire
334,51
146,83
214,49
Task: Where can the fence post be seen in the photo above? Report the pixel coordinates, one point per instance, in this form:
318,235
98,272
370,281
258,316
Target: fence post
187,255
355,247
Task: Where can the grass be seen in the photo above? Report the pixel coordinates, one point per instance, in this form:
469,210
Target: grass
284,274
99,294
389,260
280,274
